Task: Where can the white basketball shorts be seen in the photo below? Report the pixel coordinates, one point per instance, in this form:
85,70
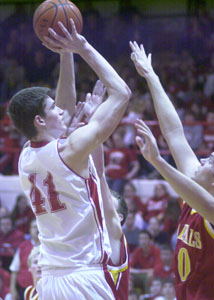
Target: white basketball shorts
76,284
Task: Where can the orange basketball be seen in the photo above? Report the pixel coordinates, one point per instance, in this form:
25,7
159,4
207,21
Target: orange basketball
49,12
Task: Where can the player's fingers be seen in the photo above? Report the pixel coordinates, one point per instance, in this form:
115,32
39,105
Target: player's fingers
142,49
150,58
133,56
55,35
54,43
131,45
97,87
64,30
136,45
73,27
139,142
53,49
88,97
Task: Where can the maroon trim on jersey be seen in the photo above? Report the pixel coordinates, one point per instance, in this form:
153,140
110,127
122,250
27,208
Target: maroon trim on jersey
65,162
93,194
39,144
110,282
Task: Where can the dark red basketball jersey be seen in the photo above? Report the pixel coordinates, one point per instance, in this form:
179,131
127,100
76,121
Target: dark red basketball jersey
120,273
194,257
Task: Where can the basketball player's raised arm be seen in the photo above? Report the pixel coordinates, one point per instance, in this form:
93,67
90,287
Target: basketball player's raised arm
66,85
170,124
108,115
190,191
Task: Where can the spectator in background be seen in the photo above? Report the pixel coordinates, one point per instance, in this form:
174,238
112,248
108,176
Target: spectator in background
30,292
4,290
165,268
193,133
20,275
156,205
155,289
159,237
10,239
3,211
171,217
131,232
144,258
168,290
133,295
134,203
22,214
121,162
9,142
5,276
208,137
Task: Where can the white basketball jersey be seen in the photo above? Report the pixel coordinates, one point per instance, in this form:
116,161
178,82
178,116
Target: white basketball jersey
68,208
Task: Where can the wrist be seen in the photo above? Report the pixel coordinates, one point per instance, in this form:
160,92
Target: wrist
158,162
85,49
151,76
65,55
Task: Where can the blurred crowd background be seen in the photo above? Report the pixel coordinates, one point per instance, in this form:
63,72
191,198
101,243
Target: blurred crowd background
181,41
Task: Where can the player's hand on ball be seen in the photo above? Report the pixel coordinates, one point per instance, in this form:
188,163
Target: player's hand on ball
143,64
146,141
70,42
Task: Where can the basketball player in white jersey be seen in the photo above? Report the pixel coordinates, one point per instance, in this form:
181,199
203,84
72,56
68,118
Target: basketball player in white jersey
58,177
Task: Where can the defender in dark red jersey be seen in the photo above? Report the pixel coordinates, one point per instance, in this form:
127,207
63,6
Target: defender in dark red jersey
193,182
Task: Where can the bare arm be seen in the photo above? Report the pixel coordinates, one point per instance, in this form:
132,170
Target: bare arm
190,191
13,289
66,88
169,121
111,216
106,118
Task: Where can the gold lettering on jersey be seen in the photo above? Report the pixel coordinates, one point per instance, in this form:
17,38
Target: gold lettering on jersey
197,240
190,237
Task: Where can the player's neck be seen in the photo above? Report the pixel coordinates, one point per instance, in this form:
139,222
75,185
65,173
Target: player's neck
43,136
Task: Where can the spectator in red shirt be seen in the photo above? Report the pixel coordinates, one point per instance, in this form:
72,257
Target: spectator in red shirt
4,290
20,275
10,139
165,268
22,214
121,162
10,239
146,256
134,203
156,205
5,276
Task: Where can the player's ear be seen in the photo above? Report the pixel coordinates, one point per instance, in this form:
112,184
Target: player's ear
121,217
39,121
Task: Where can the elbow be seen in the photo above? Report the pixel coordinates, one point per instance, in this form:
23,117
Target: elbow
127,92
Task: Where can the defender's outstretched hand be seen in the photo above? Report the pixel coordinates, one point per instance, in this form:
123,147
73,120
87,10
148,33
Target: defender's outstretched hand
93,100
70,42
76,120
146,142
143,64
